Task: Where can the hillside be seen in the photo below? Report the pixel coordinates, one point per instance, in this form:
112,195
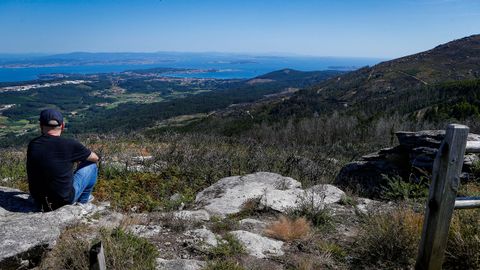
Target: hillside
357,112
454,61
135,99
458,60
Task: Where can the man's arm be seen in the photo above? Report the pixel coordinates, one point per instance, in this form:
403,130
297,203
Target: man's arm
93,157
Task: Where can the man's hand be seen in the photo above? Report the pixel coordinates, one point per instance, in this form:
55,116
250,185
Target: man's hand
93,157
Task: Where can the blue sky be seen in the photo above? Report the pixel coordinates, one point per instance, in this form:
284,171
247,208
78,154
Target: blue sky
362,28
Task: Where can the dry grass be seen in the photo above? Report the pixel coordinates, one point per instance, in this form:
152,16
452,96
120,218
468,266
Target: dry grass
123,250
287,229
71,250
389,240
463,248
311,262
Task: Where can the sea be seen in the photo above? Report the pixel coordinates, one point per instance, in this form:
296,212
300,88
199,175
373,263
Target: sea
217,67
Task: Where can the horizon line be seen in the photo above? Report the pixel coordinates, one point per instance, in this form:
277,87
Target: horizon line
271,54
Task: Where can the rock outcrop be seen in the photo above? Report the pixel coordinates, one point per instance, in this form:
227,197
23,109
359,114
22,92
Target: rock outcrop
202,238
259,246
26,233
183,238
272,191
229,194
412,157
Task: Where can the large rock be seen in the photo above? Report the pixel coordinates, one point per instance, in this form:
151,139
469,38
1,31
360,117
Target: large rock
25,234
284,200
273,191
229,194
180,264
259,246
203,238
252,225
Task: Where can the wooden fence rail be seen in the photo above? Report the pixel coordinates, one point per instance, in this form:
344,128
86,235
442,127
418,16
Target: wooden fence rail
473,147
442,198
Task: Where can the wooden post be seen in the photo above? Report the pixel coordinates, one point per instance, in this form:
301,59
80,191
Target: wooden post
97,257
441,199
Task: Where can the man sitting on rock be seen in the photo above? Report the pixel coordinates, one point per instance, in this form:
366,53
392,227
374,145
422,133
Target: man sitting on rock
50,162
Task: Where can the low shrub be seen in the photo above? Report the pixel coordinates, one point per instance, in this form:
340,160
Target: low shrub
12,169
71,250
463,248
221,225
123,250
348,201
223,265
249,208
143,191
397,189
314,211
229,246
311,262
389,240
287,229
336,251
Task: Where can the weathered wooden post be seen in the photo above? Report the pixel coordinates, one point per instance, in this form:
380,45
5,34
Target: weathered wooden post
97,257
441,199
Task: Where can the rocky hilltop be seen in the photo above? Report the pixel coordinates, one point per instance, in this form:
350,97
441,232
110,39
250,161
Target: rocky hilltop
182,237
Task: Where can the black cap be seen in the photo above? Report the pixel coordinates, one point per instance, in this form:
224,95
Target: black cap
51,118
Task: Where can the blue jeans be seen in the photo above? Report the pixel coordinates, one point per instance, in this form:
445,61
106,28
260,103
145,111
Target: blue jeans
84,179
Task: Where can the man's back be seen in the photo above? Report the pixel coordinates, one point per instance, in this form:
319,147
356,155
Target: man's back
50,162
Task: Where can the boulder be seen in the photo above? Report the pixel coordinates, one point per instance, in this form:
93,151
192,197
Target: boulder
326,194
202,238
259,246
252,225
180,264
428,138
229,194
284,200
26,234
281,200
471,160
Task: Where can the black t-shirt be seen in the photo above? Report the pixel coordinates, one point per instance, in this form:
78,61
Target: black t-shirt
50,162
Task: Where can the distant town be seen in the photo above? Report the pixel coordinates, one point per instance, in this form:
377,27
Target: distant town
19,88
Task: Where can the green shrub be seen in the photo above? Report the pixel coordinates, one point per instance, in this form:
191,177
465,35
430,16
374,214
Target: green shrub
124,250
229,246
316,212
348,200
221,225
398,189
12,169
251,207
143,191
334,249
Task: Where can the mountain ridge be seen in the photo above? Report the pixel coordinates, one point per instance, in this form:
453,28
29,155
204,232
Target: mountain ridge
455,60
